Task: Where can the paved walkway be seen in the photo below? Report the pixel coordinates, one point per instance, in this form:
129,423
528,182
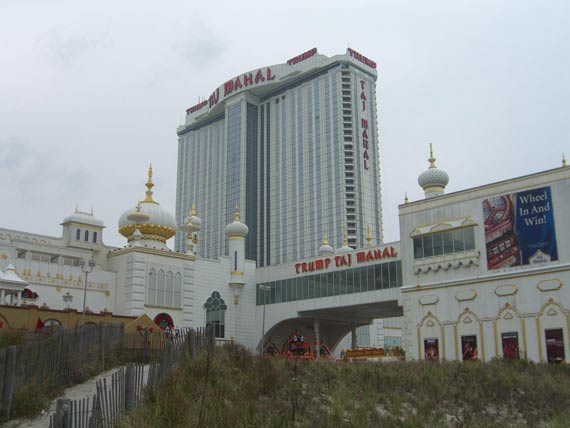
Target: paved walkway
76,392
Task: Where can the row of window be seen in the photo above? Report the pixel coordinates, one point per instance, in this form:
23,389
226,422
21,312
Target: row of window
164,288
85,235
49,258
449,242
357,280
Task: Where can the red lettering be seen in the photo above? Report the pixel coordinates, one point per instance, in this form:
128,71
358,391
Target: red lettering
337,260
319,264
360,257
362,84
365,155
393,252
269,76
228,87
237,84
377,254
327,262
304,267
365,134
365,144
214,98
364,123
297,266
370,256
365,165
386,253
259,77
248,79
349,259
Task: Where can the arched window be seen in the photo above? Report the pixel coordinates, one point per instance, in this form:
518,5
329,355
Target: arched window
215,313
86,236
78,234
169,292
164,321
177,290
160,288
94,236
151,292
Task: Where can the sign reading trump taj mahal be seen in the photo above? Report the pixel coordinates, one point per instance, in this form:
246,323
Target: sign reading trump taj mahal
519,229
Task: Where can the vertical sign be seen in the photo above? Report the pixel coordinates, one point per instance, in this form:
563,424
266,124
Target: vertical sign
364,123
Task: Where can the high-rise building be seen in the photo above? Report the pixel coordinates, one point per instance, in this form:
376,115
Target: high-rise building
295,146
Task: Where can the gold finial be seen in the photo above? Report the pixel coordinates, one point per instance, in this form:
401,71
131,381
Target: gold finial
236,214
192,211
325,240
563,159
149,185
368,235
406,198
431,159
344,239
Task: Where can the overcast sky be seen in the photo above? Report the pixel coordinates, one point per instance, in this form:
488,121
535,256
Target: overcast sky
92,92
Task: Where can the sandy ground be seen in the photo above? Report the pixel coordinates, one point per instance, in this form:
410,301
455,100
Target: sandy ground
76,392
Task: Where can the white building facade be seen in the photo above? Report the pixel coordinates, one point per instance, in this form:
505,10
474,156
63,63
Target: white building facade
485,270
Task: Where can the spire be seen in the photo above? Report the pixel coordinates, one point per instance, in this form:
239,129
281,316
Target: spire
406,198
431,159
368,235
563,160
192,210
344,239
325,240
149,185
236,213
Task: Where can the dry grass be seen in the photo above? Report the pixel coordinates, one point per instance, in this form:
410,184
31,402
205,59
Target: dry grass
245,391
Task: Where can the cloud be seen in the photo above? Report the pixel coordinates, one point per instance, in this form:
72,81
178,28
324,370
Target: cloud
200,50
66,49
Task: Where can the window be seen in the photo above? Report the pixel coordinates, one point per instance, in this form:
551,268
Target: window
21,254
71,261
94,236
86,236
215,313
449,242
78,234
44,257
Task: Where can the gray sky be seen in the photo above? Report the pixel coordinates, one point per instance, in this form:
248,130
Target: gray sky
91,92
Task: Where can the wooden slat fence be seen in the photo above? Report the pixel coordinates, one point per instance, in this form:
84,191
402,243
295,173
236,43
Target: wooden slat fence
126,388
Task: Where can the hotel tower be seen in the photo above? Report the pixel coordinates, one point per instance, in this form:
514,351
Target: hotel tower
295,146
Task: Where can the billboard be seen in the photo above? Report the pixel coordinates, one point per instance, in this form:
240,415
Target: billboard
519,229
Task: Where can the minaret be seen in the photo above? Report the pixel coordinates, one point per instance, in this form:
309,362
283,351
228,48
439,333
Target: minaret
345,248
192,225
236,233
433,180
325,249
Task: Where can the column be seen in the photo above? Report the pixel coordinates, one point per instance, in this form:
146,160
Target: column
317,328
354,341
2,297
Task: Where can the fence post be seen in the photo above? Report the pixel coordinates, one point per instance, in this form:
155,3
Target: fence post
145,346
211,337
102,343
130,388
62,416
9,380
192,343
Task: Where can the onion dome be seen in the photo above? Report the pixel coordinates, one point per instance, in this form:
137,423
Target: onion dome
236,228
345,248
83,218
192,223
154,223
433,180
325,249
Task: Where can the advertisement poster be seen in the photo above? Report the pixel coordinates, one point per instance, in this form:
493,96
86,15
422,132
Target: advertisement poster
519,229
554,345
469,348
431,347
510,346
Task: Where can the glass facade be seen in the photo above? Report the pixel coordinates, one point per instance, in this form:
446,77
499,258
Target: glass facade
358,280
292,160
